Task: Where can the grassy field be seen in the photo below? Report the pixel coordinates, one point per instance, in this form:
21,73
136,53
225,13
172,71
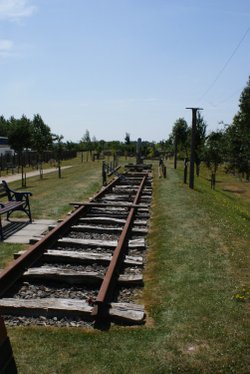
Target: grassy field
196,287
52,195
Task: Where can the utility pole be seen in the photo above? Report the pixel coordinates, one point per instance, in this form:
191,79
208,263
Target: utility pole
191,168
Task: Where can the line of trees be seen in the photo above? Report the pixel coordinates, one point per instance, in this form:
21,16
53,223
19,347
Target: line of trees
126,148
231,145
34,136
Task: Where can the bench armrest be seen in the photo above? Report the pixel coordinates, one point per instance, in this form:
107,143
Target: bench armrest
19,196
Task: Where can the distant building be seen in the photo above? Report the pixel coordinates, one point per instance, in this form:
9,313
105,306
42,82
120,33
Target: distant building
4,146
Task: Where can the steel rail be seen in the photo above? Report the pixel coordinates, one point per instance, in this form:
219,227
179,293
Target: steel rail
104,296
17,267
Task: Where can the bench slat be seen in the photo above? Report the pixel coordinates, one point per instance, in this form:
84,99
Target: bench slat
10,205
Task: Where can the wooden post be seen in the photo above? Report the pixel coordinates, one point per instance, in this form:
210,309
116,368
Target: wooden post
185,170
104,174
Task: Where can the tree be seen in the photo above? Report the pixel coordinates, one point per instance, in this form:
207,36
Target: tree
41,138
127,139
180,136
19,133
200,137
19,138
86,143
213,153
3,126
238,136
58,148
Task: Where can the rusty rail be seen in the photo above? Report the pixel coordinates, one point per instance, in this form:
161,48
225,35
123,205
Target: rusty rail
105,293
16,268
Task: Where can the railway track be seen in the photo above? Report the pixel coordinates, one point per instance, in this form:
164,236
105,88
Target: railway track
88,270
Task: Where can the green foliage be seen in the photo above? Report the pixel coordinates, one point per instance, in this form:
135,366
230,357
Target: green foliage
41,135
19,133
3,126
127,138
238,136
214,152
180,134
200,138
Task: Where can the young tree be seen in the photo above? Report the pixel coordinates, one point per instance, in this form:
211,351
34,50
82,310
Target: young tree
58,148
19,137
213,153
41,138
86,143
200,137
180,136
19,133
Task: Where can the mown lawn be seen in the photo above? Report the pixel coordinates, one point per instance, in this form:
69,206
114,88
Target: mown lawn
52,195
196,293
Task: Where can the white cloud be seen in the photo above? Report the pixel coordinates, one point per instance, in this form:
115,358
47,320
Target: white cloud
16,9
6,47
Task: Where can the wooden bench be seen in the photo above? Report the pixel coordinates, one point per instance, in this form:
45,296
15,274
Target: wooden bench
16,201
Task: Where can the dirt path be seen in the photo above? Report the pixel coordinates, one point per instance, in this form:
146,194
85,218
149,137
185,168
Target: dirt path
16,177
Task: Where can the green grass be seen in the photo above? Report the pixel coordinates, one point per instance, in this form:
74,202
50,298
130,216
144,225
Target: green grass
6,252
197,265
52,195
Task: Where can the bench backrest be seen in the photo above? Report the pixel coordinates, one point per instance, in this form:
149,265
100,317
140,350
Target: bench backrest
3,192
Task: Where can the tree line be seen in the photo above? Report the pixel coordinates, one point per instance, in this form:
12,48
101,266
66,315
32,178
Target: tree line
32,138
33,134
230,145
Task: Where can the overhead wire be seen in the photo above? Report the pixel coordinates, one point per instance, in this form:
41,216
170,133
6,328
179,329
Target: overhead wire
225,65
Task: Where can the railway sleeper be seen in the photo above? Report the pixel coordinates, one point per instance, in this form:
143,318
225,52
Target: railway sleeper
135,243
127,313
101,229
53,255
74,277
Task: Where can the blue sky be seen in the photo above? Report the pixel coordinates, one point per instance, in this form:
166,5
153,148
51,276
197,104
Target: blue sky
123,66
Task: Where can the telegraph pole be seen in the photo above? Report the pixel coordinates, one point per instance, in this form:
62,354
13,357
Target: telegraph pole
191,168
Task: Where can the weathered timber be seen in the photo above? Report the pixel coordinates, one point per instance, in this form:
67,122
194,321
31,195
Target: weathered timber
130,187
130,280
83,257
127,312
90,228
116,197
135,243
110,220
77,277
111,205
45,307
48,307
82,228
63,275
104,220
